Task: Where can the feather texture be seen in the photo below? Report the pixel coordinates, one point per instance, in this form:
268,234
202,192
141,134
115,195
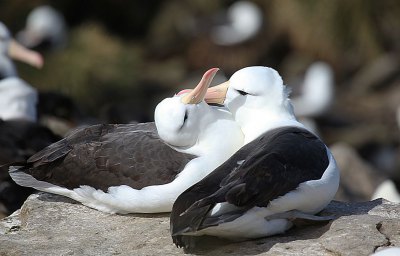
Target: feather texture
266,168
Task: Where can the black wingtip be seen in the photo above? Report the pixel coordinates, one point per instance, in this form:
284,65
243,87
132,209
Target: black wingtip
19,163
185,242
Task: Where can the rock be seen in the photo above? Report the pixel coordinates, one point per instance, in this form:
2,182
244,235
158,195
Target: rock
354,170
53,225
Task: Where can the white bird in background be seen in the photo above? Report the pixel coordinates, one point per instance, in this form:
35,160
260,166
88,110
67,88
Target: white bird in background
317,91
284,172
317,94
244,21
20,135
17,99
45,27
129,168
390,188
387,190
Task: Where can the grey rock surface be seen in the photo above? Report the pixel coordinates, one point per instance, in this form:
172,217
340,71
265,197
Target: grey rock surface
358,179
53,225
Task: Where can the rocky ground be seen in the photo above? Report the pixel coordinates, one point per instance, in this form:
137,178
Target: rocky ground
53,225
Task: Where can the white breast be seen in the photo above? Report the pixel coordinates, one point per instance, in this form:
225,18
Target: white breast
17,100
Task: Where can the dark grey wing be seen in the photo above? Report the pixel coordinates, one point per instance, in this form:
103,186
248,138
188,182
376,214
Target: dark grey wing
108,155
274,164
140,158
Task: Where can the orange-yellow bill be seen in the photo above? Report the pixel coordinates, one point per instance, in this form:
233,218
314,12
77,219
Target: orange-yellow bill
196,95
217,94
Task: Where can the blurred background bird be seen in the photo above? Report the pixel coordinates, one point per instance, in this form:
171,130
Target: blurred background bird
20,135
45,29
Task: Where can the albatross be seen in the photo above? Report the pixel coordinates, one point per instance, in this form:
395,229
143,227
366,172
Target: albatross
17,98
45,29
20,135
135,167
317,94
283,172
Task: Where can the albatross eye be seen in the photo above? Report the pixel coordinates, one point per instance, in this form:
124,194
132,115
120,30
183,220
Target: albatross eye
185,117
242,92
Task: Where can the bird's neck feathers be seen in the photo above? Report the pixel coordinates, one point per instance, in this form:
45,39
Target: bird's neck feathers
255,122
220,137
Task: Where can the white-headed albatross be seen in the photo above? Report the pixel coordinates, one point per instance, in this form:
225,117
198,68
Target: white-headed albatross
284,172
45,29
132,168
20,135
243,22
17,99
317,91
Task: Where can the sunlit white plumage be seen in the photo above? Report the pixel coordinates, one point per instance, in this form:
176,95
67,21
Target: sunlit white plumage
259,102
389,251
201,137
266,104
188,125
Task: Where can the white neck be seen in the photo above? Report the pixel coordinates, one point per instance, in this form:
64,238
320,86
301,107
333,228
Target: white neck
255,122
220,138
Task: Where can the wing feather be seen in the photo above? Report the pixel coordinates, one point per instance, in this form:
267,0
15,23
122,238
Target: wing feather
108,155
268,167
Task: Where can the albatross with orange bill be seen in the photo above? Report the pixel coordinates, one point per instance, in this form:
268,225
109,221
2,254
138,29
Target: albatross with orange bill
283,172
135,167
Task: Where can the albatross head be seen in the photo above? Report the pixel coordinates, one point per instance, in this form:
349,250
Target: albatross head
180,119
189,125
45,26
257,98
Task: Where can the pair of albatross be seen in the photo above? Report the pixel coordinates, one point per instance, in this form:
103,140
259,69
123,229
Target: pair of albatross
281,172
